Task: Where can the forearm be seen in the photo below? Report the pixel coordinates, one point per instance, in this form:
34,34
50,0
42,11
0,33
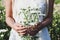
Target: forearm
44,23
10,21
9,17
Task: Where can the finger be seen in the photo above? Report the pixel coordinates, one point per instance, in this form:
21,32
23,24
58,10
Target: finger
22,28
23,31
22,34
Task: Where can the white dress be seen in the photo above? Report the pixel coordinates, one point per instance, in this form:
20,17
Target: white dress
18,15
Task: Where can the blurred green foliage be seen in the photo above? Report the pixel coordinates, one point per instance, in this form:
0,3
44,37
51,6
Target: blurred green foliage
53,30
3,25
57,1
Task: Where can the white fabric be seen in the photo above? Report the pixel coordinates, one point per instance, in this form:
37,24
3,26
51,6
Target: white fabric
17,5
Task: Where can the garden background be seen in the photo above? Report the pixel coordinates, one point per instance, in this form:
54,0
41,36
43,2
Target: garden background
54,30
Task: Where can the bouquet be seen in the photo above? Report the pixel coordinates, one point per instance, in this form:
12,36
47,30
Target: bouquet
30,17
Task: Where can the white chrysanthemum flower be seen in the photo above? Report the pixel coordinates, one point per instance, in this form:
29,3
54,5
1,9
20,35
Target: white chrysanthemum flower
1,35
3,30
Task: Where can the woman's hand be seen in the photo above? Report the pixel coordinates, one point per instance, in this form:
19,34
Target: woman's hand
32,30
21,30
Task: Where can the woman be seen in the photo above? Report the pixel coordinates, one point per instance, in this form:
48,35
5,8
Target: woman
16,20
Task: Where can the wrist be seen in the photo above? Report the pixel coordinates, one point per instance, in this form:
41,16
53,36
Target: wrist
13,24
